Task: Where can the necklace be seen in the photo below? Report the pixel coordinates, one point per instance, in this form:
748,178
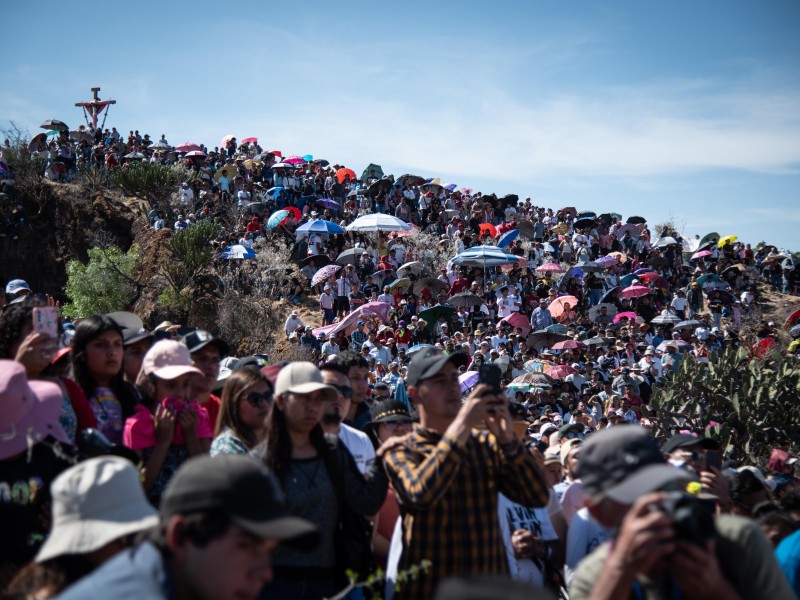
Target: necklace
310,479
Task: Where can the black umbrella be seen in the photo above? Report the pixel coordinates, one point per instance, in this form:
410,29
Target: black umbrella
657,261
409,179
636,220
431,283
318,260
610,295
465,299
321,162
54,124
542,338
349,256
382,185
584,222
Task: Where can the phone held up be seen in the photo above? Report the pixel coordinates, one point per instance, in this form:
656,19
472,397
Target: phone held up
45,320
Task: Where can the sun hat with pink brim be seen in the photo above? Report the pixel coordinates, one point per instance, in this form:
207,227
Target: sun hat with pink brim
168,359
29,410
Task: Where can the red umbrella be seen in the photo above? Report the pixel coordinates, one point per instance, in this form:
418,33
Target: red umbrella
654,279
250,140
488,228
295,160
341,174
558,306
635,291
276,153
518,320
187,147
560,371
795,316
631,316
569,345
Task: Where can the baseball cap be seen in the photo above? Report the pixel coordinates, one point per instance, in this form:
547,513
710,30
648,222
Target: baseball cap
567,447
685,440
131,336
429,361
303,377
200,338
243,489
17,285
623,463
168,359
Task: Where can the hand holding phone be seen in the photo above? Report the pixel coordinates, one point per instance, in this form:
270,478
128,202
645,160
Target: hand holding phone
45,320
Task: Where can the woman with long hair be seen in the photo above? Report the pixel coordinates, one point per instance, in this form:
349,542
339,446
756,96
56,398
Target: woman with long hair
97,368
322,484
242,420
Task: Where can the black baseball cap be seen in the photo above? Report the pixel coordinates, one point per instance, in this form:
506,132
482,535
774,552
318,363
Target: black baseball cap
686,440
243,489
624,463
200,338
429,361
389,411
131,336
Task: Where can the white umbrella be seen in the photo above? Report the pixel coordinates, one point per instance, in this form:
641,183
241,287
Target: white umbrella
378,222
414,267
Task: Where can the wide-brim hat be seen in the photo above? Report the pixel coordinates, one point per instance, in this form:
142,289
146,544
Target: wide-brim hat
96,502
28,410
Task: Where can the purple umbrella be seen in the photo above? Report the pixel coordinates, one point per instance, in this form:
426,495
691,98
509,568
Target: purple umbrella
468,380
324,273
329,203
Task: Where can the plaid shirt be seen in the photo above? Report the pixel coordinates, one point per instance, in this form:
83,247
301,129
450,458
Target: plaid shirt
358,338
448,503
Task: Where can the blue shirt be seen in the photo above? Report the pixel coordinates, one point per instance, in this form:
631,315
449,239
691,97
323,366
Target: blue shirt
788,555
133,574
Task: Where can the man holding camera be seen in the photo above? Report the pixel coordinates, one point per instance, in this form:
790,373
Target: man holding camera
668,544
447,475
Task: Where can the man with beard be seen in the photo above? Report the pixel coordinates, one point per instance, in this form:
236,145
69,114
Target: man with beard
357,442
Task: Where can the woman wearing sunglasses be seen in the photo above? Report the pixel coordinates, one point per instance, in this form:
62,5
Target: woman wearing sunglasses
246,400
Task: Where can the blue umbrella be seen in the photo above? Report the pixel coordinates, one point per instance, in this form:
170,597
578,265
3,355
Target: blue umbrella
507,238
237,251
627,280
320,226
308,157
484,256
277,218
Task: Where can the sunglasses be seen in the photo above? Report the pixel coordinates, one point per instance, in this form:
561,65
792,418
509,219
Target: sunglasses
573,435
256,399
344,390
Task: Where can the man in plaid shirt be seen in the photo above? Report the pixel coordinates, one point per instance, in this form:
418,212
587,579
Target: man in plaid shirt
358,337
447,474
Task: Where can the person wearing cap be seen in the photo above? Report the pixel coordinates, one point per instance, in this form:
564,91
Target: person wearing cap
293,321
221,522
17,288
29,461
88,528
327,302
624,478
207,351
429,475
169,426
136,341
321,482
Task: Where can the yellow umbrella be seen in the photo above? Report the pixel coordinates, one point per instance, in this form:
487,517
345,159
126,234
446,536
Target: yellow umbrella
622,258
252,164
232,172
728,239
561,228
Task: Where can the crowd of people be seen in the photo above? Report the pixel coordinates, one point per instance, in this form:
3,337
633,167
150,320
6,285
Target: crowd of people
472,404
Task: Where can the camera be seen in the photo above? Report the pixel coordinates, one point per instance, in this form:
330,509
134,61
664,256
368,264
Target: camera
692,517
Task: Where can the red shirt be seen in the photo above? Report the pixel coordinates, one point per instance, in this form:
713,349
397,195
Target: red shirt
212,406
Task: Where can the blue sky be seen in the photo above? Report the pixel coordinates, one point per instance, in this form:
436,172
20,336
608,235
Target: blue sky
683,110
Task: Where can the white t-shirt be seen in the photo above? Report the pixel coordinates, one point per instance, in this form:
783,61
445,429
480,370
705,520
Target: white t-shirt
507,306
584,535
514,516
359,445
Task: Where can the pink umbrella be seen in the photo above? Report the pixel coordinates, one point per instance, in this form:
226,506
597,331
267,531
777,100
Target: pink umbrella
518,320
560,371
631,316
701,254
196,153
635,291
250,140
654,279
558,306
324,273
569,345
374,313
414,229
226,139
188,147
295,160
550,268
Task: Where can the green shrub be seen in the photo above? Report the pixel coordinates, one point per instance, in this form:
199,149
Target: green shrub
103,285
191,251
150,181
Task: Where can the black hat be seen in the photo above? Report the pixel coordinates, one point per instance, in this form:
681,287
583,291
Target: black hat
389,411
623,463
685,440
131,336
243,489
429,361
200,338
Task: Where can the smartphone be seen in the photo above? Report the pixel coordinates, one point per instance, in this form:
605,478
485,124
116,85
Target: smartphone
45,320
490,374
713,459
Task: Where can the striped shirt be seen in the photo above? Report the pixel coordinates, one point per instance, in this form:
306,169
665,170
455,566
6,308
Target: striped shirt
343,287
448,503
